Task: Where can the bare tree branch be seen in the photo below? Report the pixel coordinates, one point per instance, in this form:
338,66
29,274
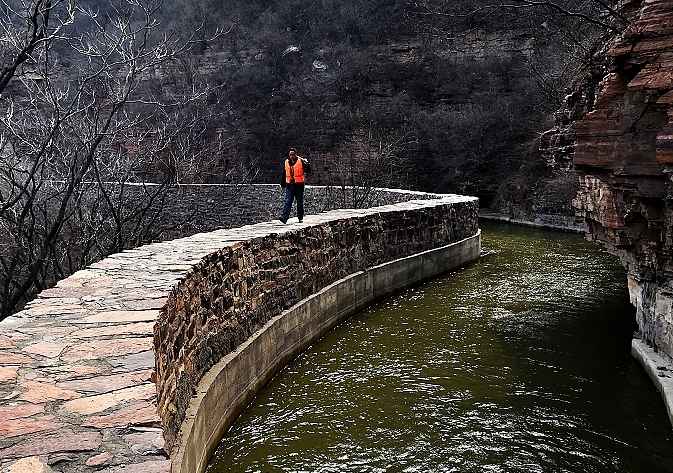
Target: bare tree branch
90,113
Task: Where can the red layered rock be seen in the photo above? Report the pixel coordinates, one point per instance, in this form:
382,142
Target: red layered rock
624,156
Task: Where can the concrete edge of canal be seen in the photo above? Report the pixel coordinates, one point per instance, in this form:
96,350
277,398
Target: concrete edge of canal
659,368
559,223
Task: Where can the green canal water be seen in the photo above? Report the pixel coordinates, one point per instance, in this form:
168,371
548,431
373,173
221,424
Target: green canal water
518,363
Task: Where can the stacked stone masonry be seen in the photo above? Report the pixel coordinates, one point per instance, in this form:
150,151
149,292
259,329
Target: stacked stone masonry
81,366
231,293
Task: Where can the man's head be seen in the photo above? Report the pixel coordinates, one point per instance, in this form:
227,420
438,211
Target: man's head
292,154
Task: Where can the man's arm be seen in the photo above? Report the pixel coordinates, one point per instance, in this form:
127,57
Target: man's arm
283,181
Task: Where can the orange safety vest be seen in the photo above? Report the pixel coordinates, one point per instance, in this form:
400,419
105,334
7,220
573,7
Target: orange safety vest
294,174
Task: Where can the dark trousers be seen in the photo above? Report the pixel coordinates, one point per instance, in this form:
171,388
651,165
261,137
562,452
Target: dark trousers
293,192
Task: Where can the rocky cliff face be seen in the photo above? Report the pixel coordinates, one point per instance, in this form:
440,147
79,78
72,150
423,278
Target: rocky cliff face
543,189
624,158
436,107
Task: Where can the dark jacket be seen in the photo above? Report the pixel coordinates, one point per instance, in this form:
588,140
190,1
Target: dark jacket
307,170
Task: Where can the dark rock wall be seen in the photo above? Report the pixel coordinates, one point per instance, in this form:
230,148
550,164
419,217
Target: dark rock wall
623,155
437,102
543,190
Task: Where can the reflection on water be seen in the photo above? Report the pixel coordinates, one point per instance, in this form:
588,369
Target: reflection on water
519,363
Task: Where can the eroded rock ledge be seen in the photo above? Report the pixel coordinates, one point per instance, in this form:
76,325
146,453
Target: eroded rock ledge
78,366
624,155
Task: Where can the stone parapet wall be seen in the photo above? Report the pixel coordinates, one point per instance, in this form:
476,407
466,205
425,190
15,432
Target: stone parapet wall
79,371
195,208
233,292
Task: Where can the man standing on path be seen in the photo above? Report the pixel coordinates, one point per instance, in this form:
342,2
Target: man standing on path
293,181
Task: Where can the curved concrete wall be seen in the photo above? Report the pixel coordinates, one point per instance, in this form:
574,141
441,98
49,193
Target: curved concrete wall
233,382
81,366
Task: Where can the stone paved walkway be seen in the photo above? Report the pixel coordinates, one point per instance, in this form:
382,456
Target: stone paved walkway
76,389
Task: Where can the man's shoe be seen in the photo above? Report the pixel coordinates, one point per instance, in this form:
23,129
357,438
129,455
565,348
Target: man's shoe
301,220
282,221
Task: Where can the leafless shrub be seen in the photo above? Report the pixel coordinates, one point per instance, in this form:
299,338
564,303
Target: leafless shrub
86,108
371,160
